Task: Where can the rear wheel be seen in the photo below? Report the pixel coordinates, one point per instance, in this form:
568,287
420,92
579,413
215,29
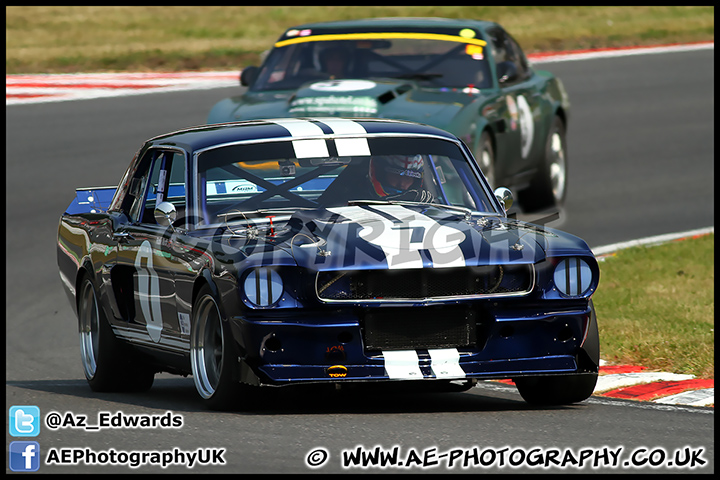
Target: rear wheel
213,358
106,365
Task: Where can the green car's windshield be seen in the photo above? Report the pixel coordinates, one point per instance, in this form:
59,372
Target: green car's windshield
449,62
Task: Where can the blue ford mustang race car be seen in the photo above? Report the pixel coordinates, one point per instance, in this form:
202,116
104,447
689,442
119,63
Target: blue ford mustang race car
468,77
322,250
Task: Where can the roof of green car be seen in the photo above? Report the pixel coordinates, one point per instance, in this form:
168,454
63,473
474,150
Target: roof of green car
405,23
400,21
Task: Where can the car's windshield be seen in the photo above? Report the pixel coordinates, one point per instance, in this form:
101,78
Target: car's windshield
453,62
245,179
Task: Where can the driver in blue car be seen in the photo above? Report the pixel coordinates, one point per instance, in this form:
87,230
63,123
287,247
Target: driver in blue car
399,177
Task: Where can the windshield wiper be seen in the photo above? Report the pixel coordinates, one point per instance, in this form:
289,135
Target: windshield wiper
419,76
263,211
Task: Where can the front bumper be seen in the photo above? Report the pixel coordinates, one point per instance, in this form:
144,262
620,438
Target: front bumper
332,347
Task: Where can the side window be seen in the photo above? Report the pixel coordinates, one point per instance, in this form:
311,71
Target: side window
277,67
176,187
160,177
505,49
167,183
497,46
137,188
517,56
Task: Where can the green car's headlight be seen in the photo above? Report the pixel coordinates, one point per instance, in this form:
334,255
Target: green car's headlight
573,276
263,287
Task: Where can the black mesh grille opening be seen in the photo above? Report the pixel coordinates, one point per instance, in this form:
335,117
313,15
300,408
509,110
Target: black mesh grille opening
413,284
419,327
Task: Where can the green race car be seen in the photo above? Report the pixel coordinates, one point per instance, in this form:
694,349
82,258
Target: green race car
467,77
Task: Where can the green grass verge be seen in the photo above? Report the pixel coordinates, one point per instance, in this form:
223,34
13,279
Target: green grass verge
55,39
656,307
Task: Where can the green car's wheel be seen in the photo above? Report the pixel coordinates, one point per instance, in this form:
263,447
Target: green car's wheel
485,157
549,186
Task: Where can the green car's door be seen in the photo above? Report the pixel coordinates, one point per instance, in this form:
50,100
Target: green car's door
521,91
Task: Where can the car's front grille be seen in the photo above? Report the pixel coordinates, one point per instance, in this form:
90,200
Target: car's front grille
419,327
423,284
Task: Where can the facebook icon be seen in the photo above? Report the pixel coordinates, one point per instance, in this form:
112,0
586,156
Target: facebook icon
24,456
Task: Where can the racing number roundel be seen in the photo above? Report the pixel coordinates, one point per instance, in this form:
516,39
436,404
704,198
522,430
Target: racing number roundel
521,114
149,291
343,85
527,126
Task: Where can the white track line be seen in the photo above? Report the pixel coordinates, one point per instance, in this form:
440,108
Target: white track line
28,89
656,240
620,380
616,52
25,89
697,398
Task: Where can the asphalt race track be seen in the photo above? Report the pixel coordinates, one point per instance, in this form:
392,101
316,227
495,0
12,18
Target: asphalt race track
641,164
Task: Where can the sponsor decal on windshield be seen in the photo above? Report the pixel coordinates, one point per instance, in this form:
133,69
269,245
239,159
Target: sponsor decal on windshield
335,104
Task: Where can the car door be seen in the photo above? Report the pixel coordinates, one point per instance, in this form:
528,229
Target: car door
147,263
522,92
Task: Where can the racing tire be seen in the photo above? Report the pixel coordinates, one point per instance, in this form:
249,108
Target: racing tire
557,390
213,358
548,188
106,364
486,159
567,389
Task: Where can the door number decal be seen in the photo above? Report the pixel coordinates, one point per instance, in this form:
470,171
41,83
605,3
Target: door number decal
149,291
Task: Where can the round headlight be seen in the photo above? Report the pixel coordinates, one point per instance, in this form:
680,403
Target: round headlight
573,276
263,286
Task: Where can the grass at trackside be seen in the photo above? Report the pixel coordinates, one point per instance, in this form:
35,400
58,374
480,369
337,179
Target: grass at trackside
55,39
656,307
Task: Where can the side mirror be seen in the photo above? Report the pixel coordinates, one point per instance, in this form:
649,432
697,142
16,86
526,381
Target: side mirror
504,196
248,75
165,214
506,71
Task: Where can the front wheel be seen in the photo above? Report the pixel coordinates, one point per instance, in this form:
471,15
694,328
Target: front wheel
558,390
213,359
567,389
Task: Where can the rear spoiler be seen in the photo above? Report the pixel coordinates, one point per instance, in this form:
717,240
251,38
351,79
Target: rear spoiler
91,200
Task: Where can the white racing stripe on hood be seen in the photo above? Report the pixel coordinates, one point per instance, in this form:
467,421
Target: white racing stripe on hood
403,233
